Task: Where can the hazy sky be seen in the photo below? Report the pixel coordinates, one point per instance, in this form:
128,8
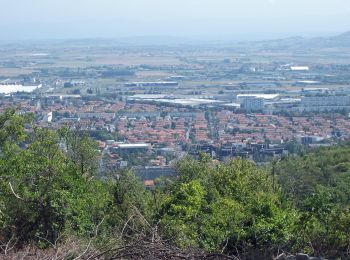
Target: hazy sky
33,19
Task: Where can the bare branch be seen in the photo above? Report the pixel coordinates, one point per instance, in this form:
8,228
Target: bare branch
86,250
14,193
9,247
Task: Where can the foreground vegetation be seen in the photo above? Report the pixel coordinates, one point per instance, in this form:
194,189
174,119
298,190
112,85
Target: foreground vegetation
51,200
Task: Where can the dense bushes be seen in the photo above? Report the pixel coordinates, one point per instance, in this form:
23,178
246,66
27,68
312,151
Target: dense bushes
48,188
226,207
318,186
301,204
43,191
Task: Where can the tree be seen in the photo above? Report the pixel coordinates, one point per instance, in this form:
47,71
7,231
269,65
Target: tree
132,203
324,226
41,195
12,127
215,205
318,184
81,150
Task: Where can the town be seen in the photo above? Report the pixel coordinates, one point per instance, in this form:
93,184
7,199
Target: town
148,107
178,129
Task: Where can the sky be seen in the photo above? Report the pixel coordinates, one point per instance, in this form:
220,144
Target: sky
60,19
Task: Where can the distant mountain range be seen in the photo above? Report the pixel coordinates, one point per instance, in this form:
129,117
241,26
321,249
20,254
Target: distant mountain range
339,41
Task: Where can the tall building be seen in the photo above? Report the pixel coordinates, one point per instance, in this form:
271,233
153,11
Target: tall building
252,103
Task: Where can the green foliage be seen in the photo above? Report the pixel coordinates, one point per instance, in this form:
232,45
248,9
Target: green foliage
42,194
183,213
131,197
323,227
12,127
213,205
301,206
329,167
318,184
81,150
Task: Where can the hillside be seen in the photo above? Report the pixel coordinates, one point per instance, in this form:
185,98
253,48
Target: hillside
301,43
53,203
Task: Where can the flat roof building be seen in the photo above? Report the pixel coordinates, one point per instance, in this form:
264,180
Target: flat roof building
133,146
299,68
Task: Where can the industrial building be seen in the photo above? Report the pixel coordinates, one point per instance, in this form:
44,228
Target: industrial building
299,68
132,148
325,103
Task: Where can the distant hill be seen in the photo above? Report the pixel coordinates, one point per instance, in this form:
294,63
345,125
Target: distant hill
342,39
291,43
338,41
